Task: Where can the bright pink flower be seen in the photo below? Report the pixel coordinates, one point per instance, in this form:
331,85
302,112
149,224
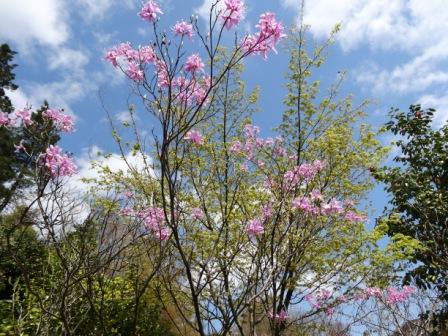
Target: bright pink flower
135,72
271,32
20,147
395,295
373,292
197,213
57,163
193,64
154,219
25,116
147,55
233,13
123,50
254,227
149,11
162,234
63,122
163,79
5,120
195,137
302,203
183,29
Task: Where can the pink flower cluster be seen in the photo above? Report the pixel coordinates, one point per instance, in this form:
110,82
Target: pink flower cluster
281,316
123,55
197,213
57,163
395,295
302,172
269,35
255,227
195,137
373,292
25,116
194,64
352,216
154,219
183,29
233,13
5,120
149,11
189,91
63,122
252,143
319,299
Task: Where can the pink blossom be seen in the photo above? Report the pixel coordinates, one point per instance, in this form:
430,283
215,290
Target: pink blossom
270,29
194,63
57,163
332,207
233,13
5,120
354,217
195,137
115,53
111,56
304,204
62,121
183,29
251,131
147,55
162,234
236,146
270,33
318,300
267,211
197,213
149,11
154,220
127,211
316,195
135,72
20,147
163,79
254,227
373,292
25,115
329,311
395,295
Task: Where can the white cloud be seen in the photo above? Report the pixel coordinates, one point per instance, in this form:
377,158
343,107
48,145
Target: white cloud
382,24
417,75
90,160
418,29
68,59
440,103
204,10
94,9
25,22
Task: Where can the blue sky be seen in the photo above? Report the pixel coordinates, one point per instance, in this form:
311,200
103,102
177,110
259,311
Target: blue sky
395,52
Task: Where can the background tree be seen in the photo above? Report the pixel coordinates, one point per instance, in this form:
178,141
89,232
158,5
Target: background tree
418,186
